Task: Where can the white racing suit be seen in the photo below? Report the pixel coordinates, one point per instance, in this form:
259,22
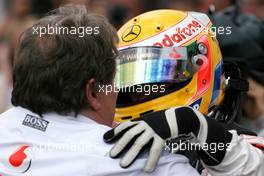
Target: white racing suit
243,158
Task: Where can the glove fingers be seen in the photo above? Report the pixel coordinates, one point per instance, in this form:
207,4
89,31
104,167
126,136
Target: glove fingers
125,139
138,147
154,154
117,132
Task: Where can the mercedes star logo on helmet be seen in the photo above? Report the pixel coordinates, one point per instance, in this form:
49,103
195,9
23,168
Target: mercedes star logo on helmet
131,33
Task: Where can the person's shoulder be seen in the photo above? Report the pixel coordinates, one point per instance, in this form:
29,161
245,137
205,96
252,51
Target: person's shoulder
12,114
168,165
174,164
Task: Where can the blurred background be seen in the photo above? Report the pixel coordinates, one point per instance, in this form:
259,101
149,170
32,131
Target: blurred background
16,15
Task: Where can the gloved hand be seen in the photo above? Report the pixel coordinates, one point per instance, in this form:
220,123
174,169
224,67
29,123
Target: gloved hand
155,128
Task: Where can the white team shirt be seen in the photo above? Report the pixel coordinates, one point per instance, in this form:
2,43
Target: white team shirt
67,146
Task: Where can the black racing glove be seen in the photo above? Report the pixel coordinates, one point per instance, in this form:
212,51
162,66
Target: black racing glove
153,130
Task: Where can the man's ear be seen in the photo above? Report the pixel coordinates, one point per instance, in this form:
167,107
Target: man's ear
91,96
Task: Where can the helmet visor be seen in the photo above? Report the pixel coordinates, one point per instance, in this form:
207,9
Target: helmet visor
144,65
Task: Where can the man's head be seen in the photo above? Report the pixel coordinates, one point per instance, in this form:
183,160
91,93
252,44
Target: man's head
60,70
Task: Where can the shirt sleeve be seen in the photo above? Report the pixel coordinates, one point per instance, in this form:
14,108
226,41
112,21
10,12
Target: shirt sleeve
241,158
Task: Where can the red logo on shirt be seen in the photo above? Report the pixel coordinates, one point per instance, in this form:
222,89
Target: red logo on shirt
17,158
20,160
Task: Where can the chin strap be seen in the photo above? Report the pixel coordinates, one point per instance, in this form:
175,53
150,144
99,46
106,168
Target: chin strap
239,84
235,88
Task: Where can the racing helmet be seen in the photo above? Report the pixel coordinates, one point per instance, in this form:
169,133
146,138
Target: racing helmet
168,58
